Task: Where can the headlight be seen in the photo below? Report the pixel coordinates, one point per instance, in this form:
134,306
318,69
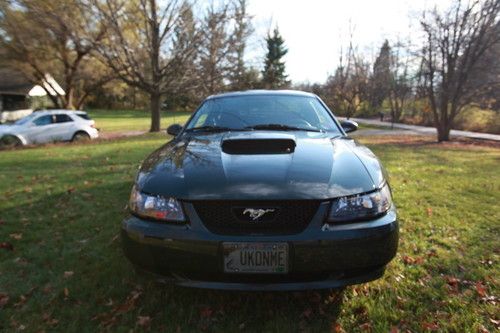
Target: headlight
156,207
360,207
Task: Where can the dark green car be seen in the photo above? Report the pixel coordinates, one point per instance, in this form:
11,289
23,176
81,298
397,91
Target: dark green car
262,190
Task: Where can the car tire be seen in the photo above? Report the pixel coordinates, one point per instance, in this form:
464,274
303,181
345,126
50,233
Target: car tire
80,136
10,141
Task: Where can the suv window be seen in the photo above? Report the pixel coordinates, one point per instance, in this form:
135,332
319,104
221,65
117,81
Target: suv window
63,118
84,116
43,120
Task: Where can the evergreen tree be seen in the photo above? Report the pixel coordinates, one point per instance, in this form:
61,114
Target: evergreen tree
382,76
273,75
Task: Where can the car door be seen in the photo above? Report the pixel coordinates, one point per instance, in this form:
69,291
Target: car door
63,128
41,129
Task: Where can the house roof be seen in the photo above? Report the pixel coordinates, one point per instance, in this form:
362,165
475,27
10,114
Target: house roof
14,82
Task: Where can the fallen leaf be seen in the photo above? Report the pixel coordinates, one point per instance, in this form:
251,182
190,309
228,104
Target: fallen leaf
206,312
47,288
129,303
452,281
336,328
489,299
68,274
430,326
413,261
71,190
481,289
306,313
429,211
49,320
366,327
143,321
16,236
66,292
482,329
22,301
4,299
7,246
432,253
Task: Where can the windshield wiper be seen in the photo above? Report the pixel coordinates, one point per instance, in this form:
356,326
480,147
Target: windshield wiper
209,128
280,127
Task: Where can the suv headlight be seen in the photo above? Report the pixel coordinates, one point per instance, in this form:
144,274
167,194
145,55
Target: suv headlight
361,206
155,207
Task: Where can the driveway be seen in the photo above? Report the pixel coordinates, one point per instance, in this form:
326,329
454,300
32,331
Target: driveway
404,129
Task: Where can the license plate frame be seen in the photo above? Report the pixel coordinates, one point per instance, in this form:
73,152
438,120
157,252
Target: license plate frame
255,257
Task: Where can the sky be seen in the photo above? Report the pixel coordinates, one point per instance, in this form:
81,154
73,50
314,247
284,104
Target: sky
315,30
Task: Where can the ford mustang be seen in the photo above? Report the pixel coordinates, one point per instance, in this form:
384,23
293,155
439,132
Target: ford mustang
262,190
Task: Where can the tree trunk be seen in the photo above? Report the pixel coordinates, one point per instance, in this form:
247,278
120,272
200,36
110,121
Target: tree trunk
155,94
155,112
443,132
69,99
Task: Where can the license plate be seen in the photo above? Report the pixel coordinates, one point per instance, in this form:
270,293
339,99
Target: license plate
255,257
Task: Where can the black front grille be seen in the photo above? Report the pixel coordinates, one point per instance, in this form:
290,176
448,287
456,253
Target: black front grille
226,217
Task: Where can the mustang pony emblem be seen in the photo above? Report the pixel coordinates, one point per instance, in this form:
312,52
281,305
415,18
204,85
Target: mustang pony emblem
257,213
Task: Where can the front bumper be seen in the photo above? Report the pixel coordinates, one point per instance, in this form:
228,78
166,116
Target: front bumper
93,132
320,257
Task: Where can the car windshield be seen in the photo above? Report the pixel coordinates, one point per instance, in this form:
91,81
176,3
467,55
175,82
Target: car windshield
25,120
275,112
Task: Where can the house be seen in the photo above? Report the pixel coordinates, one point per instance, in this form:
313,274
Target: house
17,92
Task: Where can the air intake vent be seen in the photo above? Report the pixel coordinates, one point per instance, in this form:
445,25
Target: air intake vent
228,217
258,146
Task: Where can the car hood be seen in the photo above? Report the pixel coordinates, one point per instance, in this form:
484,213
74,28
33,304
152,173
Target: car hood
8,128
197,167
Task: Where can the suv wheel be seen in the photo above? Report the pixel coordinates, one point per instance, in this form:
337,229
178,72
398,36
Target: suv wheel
80,136
10,141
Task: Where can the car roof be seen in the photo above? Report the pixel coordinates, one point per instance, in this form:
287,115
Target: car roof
263,92
57,111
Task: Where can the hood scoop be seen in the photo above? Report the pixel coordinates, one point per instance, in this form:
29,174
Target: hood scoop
258,146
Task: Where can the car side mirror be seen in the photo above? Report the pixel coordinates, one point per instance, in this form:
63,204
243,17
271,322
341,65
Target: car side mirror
349,126
174,129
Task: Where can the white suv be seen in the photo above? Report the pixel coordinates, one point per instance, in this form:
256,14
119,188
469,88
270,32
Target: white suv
49,126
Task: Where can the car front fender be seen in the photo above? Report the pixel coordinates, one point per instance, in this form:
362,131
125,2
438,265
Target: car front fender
18,136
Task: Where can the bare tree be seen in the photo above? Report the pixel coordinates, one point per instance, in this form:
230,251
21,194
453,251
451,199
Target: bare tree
58,38
455,40
215,48
140,48
485,78
400,85
347,87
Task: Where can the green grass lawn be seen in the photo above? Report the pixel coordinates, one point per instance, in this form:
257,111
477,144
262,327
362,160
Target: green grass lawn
133,120
61,207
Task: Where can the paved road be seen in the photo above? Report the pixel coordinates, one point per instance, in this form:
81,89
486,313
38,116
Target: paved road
423,130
